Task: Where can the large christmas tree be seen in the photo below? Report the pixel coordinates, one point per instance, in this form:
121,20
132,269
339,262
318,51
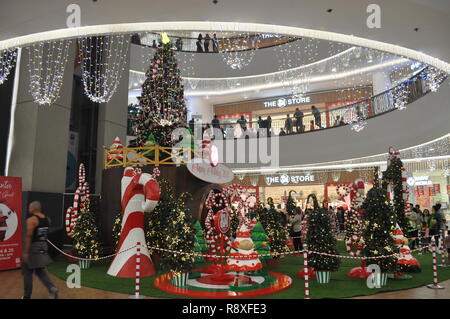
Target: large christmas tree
290,204
86,235
379,222
320,238
272,223
162,104
171,226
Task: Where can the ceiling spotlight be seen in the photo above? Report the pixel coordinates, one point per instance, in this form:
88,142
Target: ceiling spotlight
215,1
416,29
329,10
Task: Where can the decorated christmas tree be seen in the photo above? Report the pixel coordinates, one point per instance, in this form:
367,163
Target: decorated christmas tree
260,239
200,241
86,235
171,226
290,204
378,226
272,223
116,230
162,101
320,238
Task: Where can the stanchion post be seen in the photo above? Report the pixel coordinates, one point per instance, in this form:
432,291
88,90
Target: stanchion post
435,284
138,273
305,270
442,247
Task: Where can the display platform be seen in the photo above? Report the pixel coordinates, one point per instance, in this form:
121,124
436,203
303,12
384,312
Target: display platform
202,285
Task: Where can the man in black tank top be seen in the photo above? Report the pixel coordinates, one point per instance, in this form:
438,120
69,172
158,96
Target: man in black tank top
35,251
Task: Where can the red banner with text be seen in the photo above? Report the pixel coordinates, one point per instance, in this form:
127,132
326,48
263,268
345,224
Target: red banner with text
10,222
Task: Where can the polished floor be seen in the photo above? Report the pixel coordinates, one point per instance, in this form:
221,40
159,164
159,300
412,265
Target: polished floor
11,288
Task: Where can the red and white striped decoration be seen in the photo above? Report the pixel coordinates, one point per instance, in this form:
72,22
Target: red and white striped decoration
435,284
82,194
305,270
140,193
138,271
442,249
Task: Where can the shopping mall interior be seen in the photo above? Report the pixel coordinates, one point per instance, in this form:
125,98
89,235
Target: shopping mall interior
213,148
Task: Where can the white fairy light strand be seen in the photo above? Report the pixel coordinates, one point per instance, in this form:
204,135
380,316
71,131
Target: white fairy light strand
103,63
7,62
47,62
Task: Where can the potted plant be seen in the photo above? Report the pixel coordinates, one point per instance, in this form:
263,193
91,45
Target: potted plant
320,238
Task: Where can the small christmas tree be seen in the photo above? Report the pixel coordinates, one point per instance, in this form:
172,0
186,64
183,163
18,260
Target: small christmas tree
162,103
260,238
378,226
171,226
290,204
86,235
200,241
116,230
273,225
320,238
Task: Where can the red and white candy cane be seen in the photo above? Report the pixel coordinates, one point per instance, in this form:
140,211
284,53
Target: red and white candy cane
435,284
305,270
82,194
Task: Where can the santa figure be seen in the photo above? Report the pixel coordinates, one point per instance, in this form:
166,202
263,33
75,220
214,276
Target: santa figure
243,257
3,225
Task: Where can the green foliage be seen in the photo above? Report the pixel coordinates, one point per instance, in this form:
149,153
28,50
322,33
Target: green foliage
378,226
320,238
393,174
86,234
171,226
272,223
117,229
200,241
162,103
260,238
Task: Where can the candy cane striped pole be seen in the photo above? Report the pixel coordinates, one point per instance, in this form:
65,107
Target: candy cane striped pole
305,270
138,273
435,284
442,248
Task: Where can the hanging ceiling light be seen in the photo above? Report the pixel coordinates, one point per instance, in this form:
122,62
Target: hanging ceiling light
238,51
7,62
103,62
47,62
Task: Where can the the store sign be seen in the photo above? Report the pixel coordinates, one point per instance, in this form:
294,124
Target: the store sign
10,222
419,181
286,179
284,102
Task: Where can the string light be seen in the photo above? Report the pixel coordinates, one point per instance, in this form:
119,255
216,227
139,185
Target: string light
400,96
238,51
47,62
7,62
103,62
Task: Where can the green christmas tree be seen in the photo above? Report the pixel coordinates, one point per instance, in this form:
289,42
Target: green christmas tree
200,241
260,239
117,229
320,238
393,174
379,223
290,204
171,226
273,225
86,234
162,103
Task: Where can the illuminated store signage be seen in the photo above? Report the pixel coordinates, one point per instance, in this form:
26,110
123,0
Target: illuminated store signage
419,181
283,102
288,179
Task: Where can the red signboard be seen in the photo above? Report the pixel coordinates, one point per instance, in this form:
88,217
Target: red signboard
437,188
10,222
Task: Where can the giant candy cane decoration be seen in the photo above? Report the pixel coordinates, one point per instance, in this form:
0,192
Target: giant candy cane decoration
140,193
81,196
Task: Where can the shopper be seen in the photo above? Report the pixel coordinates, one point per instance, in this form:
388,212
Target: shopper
315,111
269,125
288,125
340,217
35,251
199,43
333,220
419,213
311,125
215,44
242,123
299,120
337,121
282,132
440,218
206,42
413,232
295,221
215,123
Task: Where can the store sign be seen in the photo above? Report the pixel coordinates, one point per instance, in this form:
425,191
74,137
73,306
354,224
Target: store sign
419,181
206,172
286,179
10,222
284,102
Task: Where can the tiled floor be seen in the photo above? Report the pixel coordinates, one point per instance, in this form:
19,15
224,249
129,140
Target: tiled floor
11,288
